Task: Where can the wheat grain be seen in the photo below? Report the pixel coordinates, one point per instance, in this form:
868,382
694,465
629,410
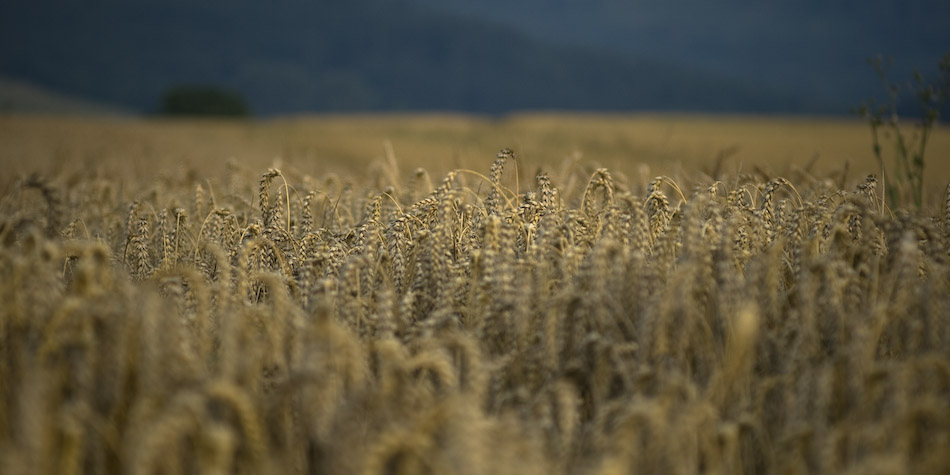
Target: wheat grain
760,328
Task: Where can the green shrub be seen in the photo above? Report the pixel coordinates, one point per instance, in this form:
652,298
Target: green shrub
202,100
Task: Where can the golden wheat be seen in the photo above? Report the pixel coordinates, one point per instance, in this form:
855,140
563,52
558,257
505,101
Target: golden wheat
333,325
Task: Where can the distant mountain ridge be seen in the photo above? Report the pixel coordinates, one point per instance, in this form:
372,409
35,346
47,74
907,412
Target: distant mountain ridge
20,97
360,55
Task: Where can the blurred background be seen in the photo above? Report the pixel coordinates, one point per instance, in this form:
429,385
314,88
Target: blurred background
487,57
693,89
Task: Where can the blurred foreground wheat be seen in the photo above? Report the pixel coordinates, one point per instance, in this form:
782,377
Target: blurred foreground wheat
286,324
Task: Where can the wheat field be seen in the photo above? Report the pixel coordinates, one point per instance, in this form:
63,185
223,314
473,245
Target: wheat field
399,320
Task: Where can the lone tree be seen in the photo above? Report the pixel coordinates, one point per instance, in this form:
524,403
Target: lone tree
202,100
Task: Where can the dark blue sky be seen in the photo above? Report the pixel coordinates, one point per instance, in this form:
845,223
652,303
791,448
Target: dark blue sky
492,56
